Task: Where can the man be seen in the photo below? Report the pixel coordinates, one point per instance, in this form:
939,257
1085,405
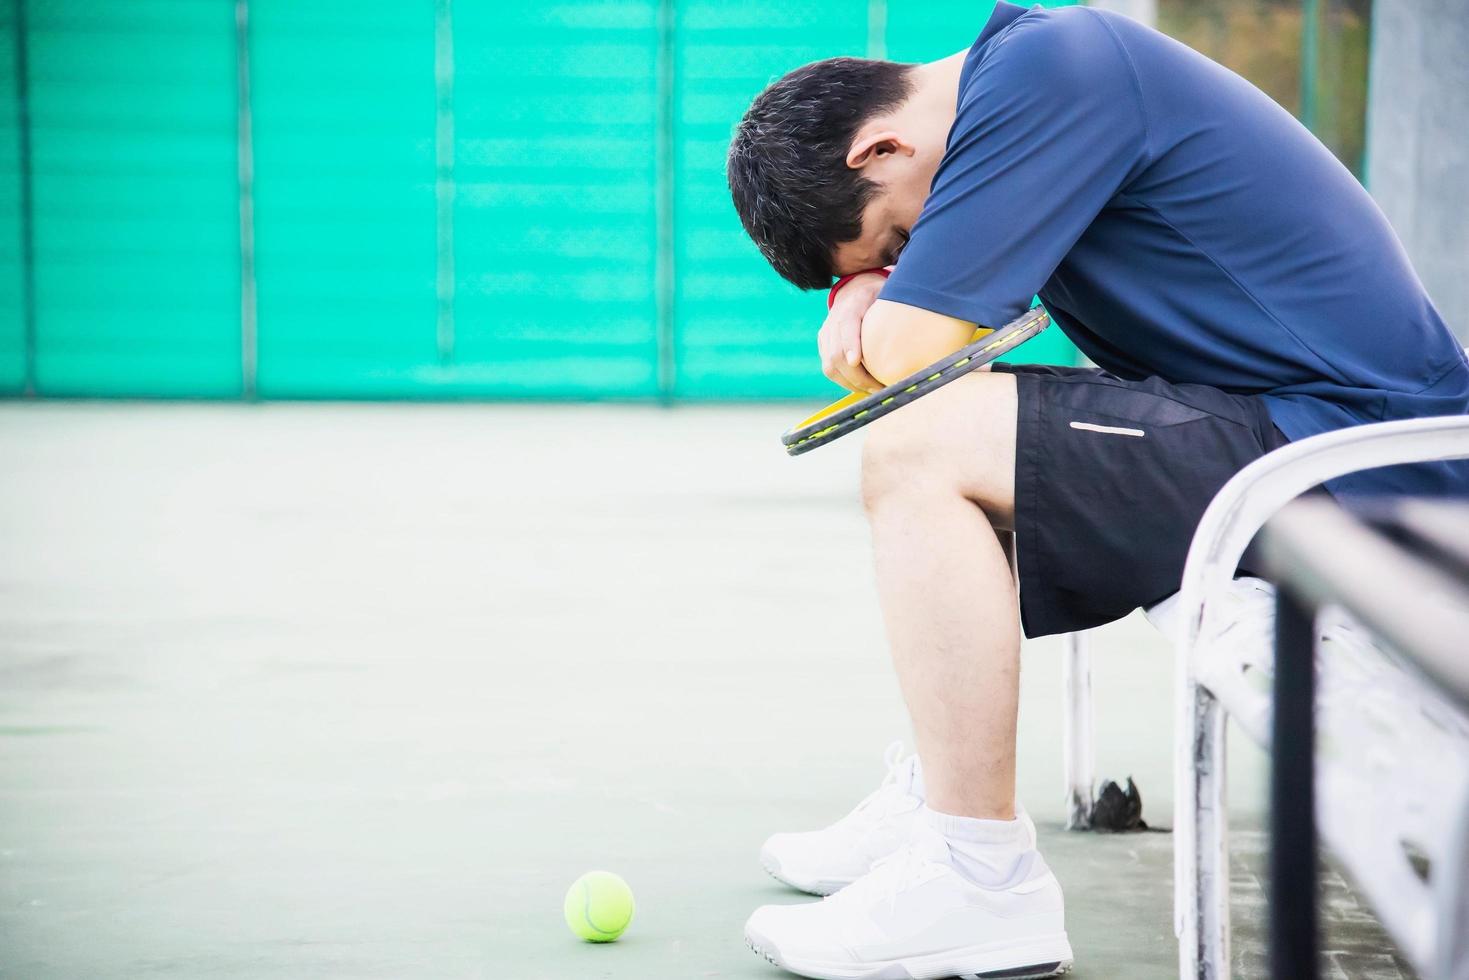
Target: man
1236,286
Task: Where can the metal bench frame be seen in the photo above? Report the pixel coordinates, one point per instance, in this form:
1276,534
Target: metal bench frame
1208,683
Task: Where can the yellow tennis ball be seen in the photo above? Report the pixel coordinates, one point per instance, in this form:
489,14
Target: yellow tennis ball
598,906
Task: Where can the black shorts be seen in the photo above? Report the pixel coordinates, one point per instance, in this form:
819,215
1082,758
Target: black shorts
1111,478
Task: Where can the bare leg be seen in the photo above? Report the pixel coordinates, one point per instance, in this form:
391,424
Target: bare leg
938,480
938,483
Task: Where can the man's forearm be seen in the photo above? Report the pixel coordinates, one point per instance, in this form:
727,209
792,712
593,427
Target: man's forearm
900,340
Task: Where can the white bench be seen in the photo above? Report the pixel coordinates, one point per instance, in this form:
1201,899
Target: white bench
1393,757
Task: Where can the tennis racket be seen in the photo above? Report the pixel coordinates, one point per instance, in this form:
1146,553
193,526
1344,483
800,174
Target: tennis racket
860,408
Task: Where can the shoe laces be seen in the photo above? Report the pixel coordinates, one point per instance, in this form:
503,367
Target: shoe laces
892,794
913,863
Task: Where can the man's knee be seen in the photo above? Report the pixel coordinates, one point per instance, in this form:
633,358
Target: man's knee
898,454
949,441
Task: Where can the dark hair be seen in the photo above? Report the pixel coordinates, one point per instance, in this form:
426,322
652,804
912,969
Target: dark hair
787,166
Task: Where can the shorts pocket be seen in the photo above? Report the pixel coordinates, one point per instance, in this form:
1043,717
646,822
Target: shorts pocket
1116,406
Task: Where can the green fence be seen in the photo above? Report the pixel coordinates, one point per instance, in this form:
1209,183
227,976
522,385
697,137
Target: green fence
13,260
442,198
132,157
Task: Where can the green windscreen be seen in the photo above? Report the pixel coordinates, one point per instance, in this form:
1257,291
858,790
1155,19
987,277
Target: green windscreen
555,220
12,310
342,98
741,331
136,208
450,198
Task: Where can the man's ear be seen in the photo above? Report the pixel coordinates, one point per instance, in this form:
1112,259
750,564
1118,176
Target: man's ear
874,143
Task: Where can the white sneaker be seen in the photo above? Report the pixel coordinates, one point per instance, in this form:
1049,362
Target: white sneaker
913,917
821,862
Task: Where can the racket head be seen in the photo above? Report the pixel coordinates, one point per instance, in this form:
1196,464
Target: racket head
830,410
858,409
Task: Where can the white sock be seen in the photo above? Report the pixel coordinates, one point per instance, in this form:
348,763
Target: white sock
990,853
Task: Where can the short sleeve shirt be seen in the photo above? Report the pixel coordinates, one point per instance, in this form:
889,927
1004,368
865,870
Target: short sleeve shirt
1177,222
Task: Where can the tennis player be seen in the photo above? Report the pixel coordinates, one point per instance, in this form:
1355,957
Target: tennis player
1237,289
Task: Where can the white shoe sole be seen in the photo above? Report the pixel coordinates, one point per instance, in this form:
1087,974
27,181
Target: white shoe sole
1042,956
811,886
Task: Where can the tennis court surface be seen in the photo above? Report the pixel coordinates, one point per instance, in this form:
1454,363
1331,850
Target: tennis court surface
357,691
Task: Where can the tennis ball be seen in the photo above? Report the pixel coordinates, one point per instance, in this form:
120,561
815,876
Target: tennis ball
598,906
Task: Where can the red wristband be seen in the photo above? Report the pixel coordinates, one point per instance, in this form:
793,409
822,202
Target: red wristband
831,297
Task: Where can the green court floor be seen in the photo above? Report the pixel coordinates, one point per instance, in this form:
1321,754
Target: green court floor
356,691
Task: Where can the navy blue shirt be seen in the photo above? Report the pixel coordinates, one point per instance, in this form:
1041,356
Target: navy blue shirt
1177,222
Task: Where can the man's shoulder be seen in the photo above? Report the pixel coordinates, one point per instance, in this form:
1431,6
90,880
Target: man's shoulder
1072,30
1046,61
1051,47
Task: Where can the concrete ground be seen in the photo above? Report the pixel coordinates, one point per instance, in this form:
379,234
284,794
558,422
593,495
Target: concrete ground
357,691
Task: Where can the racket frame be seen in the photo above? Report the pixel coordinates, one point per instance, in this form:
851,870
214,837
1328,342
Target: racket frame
859,409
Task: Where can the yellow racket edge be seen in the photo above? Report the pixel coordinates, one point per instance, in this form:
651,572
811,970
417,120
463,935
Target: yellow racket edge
856,396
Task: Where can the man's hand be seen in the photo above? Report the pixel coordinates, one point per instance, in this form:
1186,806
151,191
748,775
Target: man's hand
840,337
